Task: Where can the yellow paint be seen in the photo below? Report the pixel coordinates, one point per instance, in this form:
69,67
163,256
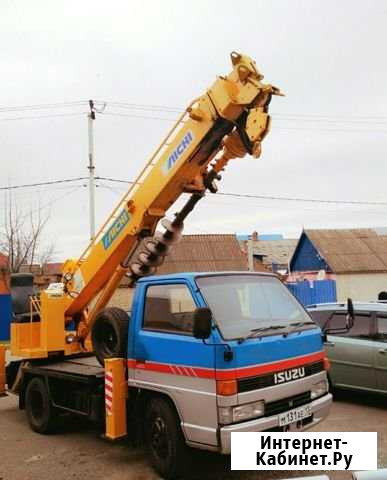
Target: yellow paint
25,340
116,418
39,339
52,334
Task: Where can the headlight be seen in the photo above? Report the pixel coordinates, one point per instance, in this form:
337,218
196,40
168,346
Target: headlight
241,412
319,389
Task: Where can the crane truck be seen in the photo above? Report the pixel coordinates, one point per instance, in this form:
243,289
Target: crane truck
200,355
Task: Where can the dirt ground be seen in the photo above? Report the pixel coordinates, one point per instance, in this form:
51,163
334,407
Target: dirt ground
79,453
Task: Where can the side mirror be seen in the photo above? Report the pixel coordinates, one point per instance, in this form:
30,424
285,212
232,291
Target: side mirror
347,324
202,323
350,314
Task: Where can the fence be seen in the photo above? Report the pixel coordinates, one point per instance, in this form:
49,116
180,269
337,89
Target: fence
5,316
319,291
5,307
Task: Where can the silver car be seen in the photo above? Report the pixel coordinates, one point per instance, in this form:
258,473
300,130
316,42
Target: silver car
358,356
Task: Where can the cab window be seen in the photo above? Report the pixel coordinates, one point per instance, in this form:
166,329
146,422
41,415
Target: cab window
169,308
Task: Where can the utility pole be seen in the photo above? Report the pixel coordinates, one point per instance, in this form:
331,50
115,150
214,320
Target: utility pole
250,250
91,168
250,255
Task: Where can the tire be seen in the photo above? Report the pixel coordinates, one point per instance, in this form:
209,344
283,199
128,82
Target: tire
110,334
40,412
164,439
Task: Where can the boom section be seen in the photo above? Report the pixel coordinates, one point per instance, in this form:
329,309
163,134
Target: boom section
228,121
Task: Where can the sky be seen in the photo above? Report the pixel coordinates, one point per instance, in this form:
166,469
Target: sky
329,133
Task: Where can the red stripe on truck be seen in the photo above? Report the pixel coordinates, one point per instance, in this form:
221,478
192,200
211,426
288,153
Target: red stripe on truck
227,374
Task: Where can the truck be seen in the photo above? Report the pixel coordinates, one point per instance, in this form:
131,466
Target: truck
200,355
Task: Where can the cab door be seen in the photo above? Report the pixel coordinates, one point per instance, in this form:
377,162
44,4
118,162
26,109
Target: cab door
352,354
168,358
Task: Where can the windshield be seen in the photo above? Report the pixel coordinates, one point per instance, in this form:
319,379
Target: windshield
242,303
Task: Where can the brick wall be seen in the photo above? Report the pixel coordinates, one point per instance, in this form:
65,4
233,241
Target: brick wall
122,298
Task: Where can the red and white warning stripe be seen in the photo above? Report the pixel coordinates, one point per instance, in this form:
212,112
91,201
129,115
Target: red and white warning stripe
108,392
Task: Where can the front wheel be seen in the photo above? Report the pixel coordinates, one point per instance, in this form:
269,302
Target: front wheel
164,439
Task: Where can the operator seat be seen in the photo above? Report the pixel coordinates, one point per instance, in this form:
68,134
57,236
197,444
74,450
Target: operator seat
22,287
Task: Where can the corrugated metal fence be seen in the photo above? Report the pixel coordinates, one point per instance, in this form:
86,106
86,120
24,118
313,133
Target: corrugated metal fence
5,308
5,316
319,291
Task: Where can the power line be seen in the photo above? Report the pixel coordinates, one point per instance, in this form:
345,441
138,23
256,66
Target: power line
42,106
166,108
295,199
312,128
336,125
39,184
336,121
303,116
145,117
228,194
116,180
367,119
277,198
319,129
149,107
338,116
57,199
66,180
287,118
33,117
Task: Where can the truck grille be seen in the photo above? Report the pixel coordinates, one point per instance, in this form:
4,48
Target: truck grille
263,381
280,406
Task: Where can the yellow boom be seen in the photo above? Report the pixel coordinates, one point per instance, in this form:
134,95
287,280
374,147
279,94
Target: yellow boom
228,121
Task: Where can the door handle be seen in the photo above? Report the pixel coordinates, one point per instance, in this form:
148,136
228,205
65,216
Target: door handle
330,344
383,351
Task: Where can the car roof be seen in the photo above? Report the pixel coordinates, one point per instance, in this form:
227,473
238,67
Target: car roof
374,306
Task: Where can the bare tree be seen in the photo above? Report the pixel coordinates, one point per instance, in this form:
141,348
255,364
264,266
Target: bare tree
21,237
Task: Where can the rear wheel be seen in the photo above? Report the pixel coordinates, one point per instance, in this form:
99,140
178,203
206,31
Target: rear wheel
40,412
110,334
164,439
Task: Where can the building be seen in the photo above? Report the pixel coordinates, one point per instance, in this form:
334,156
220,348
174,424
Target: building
44,274
270,252
3,261
194,253
355,258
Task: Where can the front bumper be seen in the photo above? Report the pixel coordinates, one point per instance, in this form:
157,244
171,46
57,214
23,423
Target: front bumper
320,409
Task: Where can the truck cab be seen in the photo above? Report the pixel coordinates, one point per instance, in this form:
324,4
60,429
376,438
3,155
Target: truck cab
262,368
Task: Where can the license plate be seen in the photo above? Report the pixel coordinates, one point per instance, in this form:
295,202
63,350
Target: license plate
294,415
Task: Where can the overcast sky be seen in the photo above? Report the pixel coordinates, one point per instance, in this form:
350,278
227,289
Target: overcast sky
329,133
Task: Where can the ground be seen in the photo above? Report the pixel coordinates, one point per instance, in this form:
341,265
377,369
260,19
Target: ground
78,452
